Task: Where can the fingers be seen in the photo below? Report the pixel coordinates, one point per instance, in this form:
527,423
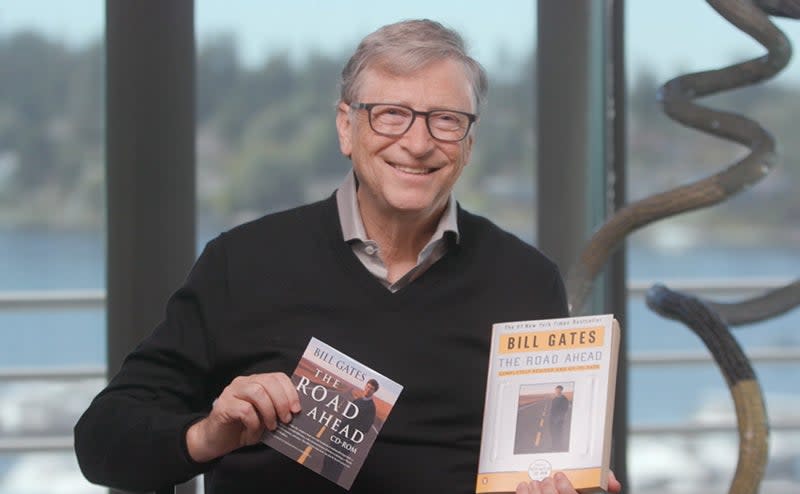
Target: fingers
250,397
272,396
557,484
238,417
291,393
526,487
239,413
562,484
544,486
614,486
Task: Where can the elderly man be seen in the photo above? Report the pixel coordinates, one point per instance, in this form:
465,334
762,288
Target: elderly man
389,270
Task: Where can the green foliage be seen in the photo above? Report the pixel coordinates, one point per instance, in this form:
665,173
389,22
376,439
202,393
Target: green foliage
268,140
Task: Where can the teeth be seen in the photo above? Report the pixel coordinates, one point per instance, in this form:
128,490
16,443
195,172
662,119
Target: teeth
414,171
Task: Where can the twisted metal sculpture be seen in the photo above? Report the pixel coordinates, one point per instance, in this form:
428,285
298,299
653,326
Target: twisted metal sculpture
748,400
711,320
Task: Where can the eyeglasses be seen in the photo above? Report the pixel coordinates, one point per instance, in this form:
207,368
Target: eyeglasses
395,120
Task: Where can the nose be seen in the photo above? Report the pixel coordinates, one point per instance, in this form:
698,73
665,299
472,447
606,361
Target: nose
418,141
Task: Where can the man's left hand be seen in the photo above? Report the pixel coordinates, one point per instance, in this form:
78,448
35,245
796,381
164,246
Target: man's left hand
560,484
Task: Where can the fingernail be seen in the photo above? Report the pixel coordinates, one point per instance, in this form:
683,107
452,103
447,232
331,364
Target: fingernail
287,418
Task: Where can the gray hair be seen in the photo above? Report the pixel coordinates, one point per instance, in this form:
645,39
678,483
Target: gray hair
406,46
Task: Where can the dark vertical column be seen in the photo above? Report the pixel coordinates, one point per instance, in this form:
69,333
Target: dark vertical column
571,102
581,151
572,130
563,127
150,163
618,272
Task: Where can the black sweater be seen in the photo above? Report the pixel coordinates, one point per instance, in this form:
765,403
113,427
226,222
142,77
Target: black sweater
250,304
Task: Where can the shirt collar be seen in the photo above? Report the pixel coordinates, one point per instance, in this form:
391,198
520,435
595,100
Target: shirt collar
353,226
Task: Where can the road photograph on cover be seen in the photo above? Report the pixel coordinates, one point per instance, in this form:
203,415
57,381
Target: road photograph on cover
544,413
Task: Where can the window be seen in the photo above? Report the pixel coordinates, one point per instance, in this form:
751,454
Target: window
748,240
51,236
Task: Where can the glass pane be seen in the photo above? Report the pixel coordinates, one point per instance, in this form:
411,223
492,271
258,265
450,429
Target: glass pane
750,238
51,235
43,473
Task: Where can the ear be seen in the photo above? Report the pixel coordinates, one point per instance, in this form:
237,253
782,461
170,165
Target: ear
344,128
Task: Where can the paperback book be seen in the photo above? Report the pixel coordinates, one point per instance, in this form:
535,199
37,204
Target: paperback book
344,405
549,403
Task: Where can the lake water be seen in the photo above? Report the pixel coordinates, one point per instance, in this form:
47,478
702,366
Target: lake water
51,260
48,260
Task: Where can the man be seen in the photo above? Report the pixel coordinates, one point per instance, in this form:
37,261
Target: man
389,270
363,422
366,408
559,407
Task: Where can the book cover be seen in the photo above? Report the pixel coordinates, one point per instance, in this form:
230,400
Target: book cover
344,405
549,403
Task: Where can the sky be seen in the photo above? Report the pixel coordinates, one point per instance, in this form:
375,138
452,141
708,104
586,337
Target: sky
663,36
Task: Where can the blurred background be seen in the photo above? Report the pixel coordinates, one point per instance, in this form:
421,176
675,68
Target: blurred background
266,87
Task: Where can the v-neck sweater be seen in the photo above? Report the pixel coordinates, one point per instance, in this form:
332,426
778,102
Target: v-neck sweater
252,301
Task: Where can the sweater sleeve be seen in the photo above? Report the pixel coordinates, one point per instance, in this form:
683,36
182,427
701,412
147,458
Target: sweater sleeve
132,436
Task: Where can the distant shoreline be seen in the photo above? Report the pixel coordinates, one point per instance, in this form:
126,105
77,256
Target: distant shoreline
666,237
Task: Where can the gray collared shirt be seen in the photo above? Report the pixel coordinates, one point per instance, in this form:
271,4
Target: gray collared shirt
368,251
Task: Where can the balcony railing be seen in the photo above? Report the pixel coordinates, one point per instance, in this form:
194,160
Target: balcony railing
95,299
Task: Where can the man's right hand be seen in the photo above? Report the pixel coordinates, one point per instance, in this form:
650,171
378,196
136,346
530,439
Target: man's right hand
239,416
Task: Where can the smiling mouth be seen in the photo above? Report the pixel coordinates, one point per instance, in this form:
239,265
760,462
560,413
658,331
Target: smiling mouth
413,171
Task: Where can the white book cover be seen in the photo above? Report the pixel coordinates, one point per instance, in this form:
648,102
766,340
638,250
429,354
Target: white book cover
549,402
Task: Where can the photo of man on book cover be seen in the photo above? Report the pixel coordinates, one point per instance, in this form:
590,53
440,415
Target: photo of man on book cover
544,413
333,466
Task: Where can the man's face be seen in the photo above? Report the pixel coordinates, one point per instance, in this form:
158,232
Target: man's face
412,174
369,390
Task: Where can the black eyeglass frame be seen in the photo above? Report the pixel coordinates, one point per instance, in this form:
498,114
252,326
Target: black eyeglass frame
471,117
